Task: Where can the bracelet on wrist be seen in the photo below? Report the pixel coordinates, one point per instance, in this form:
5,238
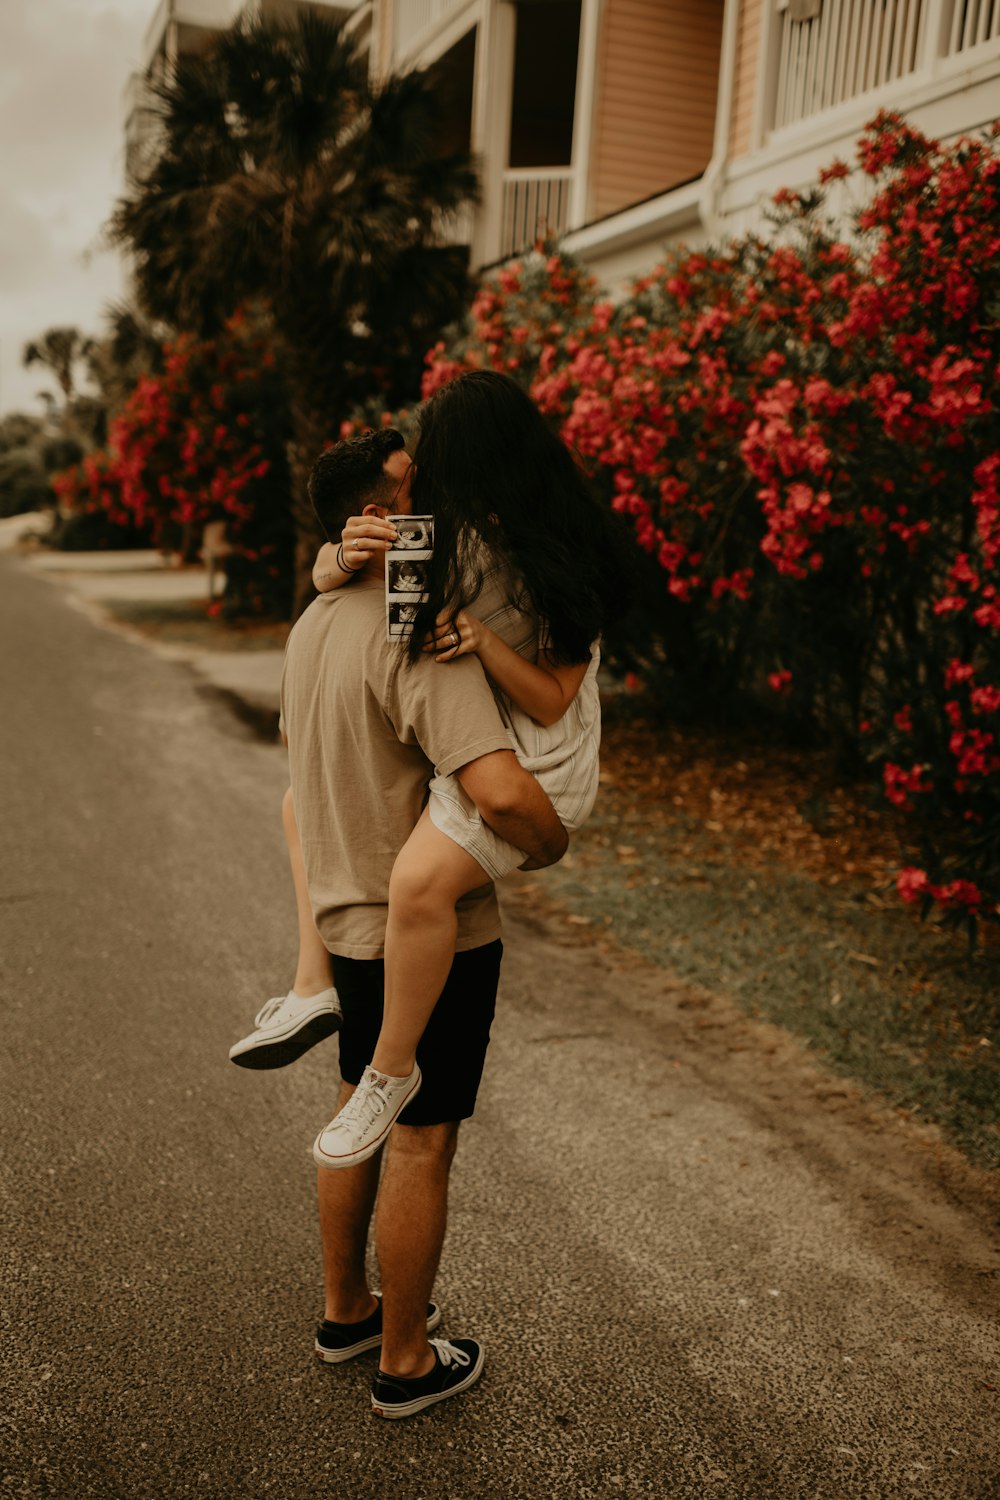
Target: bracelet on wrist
341,563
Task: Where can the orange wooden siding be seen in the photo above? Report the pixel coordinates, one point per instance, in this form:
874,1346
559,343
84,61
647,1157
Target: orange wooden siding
654,110
745,77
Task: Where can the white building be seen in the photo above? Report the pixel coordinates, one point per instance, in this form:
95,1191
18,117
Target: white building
630,123
181,28
625,124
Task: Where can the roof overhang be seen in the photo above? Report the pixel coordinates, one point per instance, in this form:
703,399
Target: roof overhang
649,222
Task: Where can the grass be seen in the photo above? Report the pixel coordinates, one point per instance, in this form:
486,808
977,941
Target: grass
187,623
754,873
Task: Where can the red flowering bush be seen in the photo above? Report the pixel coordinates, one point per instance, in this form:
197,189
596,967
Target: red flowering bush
527,319
92,515
205,441
801,431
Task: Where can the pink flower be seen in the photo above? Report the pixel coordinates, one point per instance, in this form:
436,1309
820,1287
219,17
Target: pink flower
912,884
900,785
956,672
957,893
985,700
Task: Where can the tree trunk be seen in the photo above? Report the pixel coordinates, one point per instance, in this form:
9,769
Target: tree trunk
310,433
312,360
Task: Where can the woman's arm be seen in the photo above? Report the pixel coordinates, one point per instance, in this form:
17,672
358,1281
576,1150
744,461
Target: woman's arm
543,691
336,562
327,573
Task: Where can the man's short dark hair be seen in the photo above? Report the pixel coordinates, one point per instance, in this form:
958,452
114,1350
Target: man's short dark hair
351,475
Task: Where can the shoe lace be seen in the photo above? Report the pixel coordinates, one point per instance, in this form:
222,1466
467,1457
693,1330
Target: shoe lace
450,1354
368,1100
268,1011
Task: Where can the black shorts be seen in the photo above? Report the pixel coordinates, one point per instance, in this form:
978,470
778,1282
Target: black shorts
452,1051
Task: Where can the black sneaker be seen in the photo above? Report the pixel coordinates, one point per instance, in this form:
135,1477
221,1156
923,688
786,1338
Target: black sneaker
336,1342
458,1363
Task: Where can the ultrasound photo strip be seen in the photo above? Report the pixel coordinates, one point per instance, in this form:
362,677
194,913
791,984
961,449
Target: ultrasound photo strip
402,612
406,565
407,574
413,533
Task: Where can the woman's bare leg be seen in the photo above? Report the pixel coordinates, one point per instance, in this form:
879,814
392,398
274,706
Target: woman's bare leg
431,873
313,971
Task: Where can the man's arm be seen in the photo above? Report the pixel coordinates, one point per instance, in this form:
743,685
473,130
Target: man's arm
515,807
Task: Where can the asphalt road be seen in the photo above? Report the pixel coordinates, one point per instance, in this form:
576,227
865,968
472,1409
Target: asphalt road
700,1267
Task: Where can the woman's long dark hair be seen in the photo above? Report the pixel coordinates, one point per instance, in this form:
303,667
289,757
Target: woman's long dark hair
502,486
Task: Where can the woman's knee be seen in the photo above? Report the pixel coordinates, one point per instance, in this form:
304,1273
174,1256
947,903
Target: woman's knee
418,890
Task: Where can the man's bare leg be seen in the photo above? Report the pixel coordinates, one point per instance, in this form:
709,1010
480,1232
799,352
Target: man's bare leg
313,972
409,1233
346,1200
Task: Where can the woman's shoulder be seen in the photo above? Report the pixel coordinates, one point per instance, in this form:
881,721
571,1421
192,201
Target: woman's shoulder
501,600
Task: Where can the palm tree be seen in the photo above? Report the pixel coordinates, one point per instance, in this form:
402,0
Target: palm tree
59,350
284,175
129,348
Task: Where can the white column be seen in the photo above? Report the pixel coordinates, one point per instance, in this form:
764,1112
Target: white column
767,74
936,33
583,111
714,174
170,40
492,91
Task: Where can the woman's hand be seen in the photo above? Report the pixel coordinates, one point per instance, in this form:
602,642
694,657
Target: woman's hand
456,635
362,538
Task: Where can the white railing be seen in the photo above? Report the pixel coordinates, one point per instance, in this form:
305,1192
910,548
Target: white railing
832,50
536,205
973,22
137,95
144,140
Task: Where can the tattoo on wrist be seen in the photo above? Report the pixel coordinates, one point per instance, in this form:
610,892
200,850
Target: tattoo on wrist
341,563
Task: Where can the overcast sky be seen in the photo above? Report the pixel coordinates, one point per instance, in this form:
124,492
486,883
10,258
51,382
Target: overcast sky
63,69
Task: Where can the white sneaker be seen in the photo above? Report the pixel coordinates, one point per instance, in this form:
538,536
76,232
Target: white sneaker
286,1027
365,1120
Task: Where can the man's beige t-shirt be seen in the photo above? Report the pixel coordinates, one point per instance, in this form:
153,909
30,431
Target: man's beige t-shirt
365,734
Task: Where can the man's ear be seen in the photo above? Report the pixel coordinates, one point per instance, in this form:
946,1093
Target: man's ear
376,510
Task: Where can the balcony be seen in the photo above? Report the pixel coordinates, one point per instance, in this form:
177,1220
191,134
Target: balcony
972,25
831,51
138,96
536,205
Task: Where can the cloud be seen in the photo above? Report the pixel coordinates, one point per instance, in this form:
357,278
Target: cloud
64,65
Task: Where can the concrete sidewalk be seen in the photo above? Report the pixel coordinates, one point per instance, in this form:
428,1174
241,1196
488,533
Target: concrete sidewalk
100,580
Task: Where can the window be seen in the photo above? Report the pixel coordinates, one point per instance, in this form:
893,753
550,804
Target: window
546,45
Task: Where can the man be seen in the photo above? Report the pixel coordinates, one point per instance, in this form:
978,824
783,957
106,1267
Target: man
366,731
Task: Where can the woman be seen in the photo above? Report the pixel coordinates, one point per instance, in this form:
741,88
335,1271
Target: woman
526,573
